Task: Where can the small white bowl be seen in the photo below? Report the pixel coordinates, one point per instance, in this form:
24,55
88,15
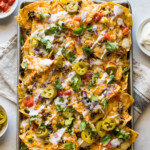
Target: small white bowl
12,9
5,125
139,31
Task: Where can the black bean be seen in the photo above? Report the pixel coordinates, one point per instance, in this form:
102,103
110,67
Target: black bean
22,72
49,127
31,15
108,54
121,54
26,111
44,115
79,3
20,81
30,92
28,32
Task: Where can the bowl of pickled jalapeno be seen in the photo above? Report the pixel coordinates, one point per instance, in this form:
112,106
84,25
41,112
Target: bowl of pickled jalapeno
3,121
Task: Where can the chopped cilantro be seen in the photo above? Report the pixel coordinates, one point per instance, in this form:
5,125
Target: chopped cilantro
25,64
47,45
83,125
105,140
61,99
59,108
87,99
111,46
52,30
94,98
122,134
94,80
42,126
62,25
79,31
126,69
88,51
111,78
58,85
63,51
92,132
89,28
41,16
59,125
33,118
71,57
70,146
22,40
30,140
23,146
104,102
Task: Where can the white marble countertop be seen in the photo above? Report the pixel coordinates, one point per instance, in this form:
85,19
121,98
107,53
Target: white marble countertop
8,26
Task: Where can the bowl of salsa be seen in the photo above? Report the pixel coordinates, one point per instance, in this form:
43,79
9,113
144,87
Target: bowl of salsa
7,7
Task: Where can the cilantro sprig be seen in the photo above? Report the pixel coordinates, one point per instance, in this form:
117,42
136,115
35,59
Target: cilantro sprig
58,85
87,50
94,80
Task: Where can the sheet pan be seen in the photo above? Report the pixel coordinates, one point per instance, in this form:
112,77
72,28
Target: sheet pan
130,58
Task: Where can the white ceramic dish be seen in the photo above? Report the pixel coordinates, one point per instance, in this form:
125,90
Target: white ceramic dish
5,125
139,31
12,9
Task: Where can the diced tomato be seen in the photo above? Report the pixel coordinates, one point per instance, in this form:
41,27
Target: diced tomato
25,102
117,97
6,1
107,36
126,31
97,17
90,45
2,4
10,2
77,18
34,125
68,93
29,102
60,93
85,82
112,63
104,67
6,8
109,145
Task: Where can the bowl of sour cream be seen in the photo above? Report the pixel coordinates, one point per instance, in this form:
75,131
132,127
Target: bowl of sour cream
143,36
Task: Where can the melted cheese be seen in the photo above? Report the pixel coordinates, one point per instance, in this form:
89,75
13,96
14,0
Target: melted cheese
55,17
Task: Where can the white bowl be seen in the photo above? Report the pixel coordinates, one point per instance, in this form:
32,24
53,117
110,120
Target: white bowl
139,31
5,125
12,9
